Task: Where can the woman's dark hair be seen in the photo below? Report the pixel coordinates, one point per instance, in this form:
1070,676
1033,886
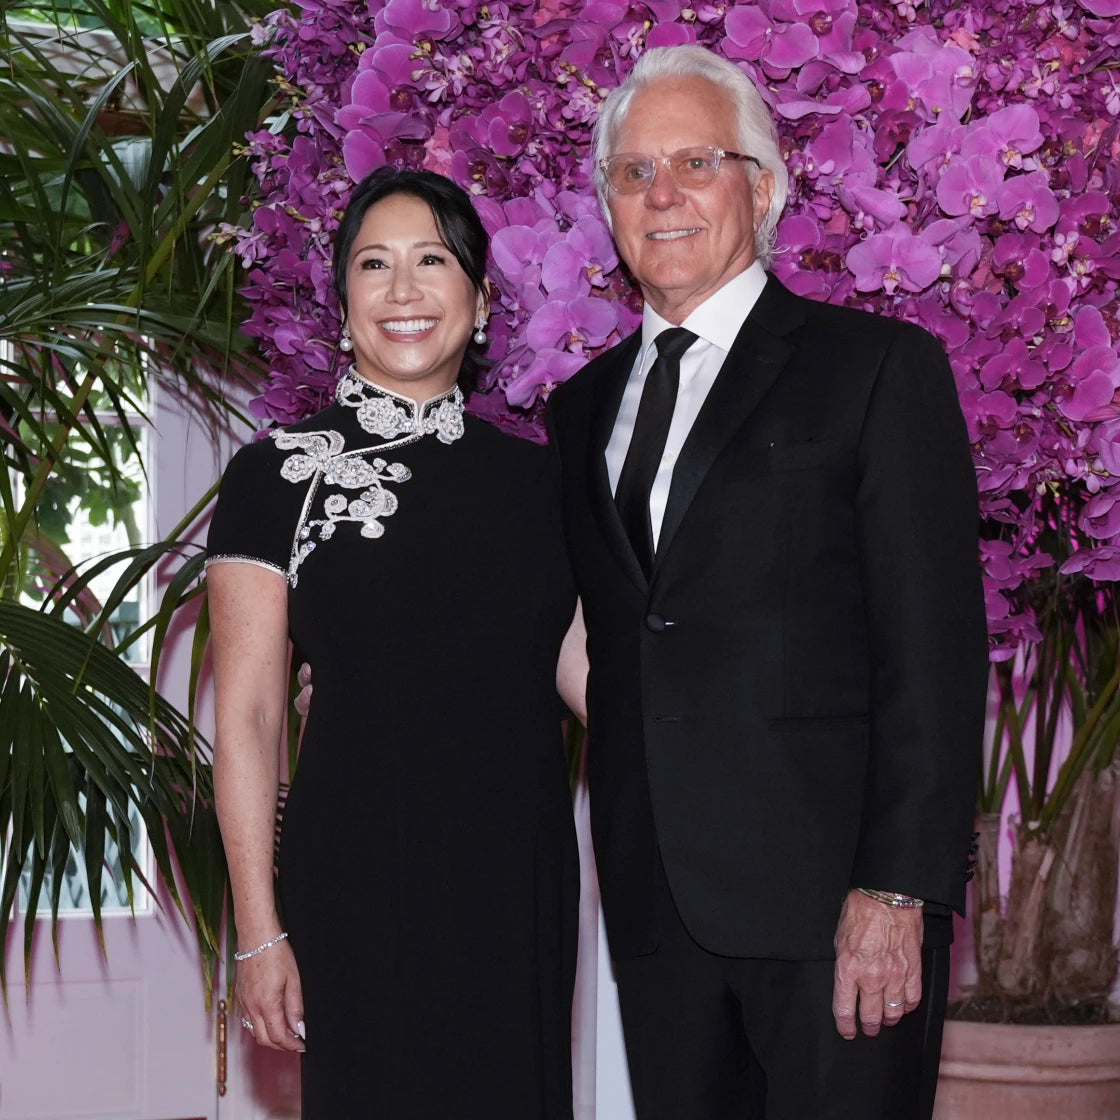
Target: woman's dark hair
459,225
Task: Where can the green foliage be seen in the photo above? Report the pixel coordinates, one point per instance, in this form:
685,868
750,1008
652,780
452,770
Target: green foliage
105,492
121,121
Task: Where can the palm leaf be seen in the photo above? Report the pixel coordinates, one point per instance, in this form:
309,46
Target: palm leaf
110,181
63,680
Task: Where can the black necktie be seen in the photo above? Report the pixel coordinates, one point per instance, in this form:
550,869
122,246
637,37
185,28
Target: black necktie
651,428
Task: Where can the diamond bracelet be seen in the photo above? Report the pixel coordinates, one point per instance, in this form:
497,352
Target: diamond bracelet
260,948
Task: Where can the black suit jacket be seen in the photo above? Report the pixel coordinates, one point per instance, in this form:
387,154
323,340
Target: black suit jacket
793,704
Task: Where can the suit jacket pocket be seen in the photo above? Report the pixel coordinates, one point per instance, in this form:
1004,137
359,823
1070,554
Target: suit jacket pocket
808,725
785,458
805,456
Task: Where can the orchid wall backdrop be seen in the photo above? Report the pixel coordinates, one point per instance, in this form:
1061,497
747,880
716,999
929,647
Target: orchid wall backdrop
957,165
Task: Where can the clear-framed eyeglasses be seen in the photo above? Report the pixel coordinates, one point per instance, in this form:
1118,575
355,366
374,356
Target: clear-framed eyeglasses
691,168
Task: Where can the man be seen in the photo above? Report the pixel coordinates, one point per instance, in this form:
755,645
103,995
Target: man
777,563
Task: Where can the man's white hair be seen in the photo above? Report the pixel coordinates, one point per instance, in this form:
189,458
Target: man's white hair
754,126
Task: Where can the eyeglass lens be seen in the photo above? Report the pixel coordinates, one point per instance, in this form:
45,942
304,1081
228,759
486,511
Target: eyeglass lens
690,167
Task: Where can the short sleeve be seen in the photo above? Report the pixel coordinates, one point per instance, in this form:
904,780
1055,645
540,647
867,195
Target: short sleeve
257,511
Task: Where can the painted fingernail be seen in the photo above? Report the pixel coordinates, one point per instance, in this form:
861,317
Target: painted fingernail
301,1030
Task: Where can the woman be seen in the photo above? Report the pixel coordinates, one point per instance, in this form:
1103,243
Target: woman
412,554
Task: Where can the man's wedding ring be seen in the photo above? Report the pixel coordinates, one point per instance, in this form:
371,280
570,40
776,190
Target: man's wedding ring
246,1023
886,1003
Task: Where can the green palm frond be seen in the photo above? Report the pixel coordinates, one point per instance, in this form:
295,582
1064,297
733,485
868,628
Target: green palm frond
120,162
74,751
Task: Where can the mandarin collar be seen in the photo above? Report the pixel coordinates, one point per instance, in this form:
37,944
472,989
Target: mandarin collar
388,414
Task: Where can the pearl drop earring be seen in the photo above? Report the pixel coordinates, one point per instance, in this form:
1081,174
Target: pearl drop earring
344,343
479,333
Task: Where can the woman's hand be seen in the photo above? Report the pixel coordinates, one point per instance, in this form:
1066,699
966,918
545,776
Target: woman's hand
269,994
571,671
302,702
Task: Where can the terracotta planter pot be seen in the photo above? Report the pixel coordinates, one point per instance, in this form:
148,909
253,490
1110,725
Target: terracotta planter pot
995,1071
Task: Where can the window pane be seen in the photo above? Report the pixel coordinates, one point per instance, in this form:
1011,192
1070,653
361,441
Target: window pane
88,512
74,897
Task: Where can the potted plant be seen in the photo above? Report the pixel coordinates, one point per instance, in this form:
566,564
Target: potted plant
1047,952
1038,1032
120,123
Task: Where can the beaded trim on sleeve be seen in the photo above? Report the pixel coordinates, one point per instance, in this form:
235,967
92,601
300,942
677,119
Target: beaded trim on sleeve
238,558
322,457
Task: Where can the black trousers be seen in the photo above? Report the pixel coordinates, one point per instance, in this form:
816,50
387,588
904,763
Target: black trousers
728,1038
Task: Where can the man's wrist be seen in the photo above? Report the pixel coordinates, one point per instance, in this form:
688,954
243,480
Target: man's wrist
892,898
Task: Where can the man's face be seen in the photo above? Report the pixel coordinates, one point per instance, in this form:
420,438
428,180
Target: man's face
683,245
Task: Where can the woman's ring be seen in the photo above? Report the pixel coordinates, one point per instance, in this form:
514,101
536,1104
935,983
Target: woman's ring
246,1023
886,1003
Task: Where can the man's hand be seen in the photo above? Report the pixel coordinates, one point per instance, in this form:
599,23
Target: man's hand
878,964
302,702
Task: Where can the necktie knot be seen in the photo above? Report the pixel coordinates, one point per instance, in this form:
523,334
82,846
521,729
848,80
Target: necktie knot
671,344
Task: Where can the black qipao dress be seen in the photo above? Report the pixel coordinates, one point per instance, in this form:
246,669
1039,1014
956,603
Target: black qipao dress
427,872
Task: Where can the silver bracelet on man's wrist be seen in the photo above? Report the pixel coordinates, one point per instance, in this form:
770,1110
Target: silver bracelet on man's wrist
891,898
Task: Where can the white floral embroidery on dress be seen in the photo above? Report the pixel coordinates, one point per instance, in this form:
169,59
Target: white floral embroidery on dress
323,458
388,416
380,416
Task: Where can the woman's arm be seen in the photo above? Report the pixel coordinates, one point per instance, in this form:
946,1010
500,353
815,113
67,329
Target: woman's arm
249,623
571,670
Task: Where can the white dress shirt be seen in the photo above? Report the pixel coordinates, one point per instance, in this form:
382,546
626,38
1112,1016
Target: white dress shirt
716,322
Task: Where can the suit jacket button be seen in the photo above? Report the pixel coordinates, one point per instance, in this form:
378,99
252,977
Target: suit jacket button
656,623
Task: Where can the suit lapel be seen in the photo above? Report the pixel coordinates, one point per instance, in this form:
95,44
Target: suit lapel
604,409
750,368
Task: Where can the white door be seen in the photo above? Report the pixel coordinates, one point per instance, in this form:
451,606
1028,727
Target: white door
122,1039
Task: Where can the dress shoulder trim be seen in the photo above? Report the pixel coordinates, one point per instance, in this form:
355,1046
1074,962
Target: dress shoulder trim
236,558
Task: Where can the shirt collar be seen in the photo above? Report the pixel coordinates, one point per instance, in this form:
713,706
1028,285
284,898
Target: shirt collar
719,318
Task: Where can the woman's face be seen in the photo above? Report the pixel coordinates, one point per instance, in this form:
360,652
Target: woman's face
412,308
